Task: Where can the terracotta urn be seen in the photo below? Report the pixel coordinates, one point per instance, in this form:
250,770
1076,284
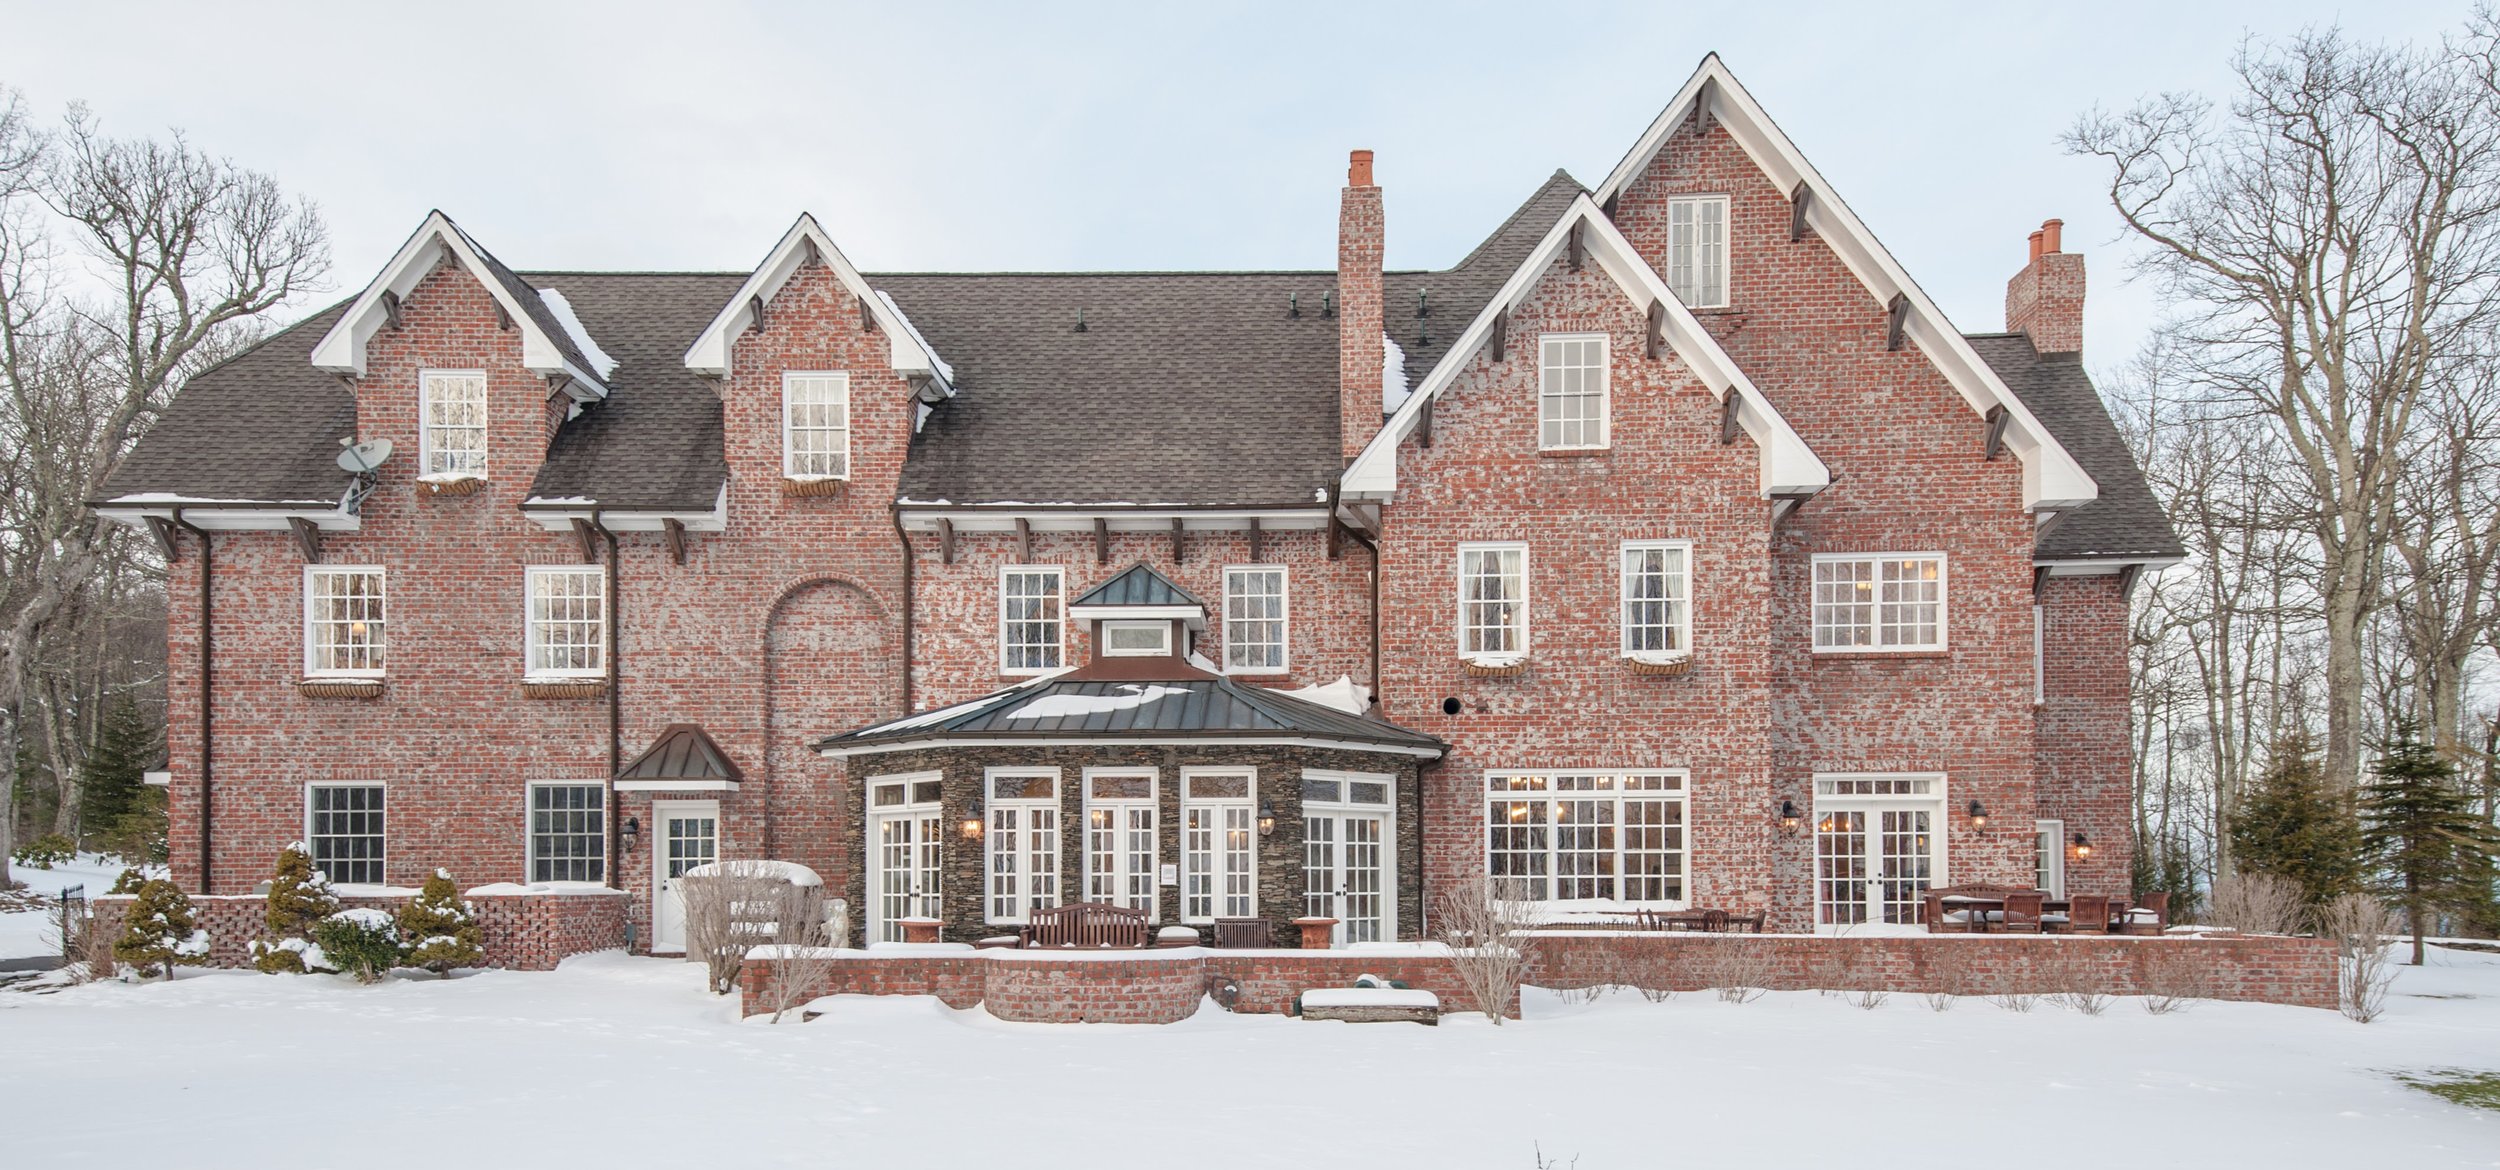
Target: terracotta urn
1315,932
920,930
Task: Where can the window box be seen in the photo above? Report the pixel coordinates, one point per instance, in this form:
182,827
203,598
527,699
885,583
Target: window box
339,688
811,486
1671,664
1494,667
464,485
563,688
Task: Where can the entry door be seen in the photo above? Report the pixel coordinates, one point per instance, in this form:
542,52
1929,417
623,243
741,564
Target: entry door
903,881
689,835
1345,873
1873,864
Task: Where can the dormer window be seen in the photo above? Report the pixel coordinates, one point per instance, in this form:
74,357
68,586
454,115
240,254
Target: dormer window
1137,639
453,435
816,426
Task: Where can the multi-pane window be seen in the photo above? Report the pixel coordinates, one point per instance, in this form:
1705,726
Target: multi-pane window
343,632
1492,601
1029,623
454,430
1254,619
568,628
1657,610
1219,839
1120,851
1571,391
568,833
1597,839
1023,843
344,830
1697,251
816,426
1884,602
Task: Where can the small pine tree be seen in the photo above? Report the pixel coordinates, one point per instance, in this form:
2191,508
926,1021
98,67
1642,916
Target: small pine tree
437,930
2291,824
299,898
115,773
2422,831
160,932
362,941
129,881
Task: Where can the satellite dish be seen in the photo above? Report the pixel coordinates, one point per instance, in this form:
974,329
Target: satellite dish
362,458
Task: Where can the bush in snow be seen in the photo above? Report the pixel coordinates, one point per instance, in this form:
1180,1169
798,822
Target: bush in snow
2257,903
437,930
46,851
160,933
299,898
362,942
1481,922
129,881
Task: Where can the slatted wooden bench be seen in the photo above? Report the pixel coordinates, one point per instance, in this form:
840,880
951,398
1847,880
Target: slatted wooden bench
1092,925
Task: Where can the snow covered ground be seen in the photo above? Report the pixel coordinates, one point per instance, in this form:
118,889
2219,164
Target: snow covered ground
620,1062
27,933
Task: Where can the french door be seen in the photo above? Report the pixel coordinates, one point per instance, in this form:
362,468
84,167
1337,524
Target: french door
1873,863
1345,873
905,844
689,835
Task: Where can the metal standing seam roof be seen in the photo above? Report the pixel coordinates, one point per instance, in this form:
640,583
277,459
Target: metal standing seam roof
682,752
1211,708
1139,585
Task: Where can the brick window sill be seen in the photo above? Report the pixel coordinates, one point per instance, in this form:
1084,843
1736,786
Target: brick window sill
1881,655
432,488
1573,452
564,688
339,688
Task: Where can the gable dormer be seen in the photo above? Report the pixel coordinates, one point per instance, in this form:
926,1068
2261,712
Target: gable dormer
1140,614
804,244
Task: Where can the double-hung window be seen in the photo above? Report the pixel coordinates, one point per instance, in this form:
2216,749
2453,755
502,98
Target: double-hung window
343,827
1023,842
453,429
1657,598
568,831
1254,619
1493,601
1029,619
1571,391
1592,840
1697,250
1219,841
568,623
343,626
1883,602
816,425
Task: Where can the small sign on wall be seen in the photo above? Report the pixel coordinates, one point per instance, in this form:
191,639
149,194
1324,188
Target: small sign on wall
1169,874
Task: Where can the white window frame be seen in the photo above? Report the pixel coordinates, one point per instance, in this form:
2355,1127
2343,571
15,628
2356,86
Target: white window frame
1876,793
1058,643
1691,286
1030,884
2049,840
1162,630
533,625
529,832
428,450
1123,870
1875,626
1519,623
1523,786
1547,396
1680,623
837,381
1283,619
1219,854
376,646
381,837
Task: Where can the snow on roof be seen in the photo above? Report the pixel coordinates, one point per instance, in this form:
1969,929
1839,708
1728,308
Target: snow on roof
789,871
1393,384
1344,695
1062,706
563,309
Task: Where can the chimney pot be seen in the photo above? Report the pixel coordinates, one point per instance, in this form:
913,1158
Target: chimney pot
2050,231
2045,299
2036,237
1358,171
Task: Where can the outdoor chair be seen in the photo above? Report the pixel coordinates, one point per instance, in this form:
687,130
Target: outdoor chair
1244,933
1087,924
1746,922
2149,915
2022,912
2088,914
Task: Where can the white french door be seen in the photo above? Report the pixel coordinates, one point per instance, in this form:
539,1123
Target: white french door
1874,859
905,854
688,835
1120,847
1345,873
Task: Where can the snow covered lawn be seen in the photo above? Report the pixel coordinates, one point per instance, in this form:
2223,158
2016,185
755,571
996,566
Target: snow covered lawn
27,933
622,1062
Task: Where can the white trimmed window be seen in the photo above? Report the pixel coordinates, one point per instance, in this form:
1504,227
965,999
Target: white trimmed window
2049,864
816,425
1219,845
1883,602
1023,842
343,828
1135,639
1571,391
1492,601
1254,619
1120,847
1657,593
568,626
1697,250
568,832
343,630
1030,629
1587,840
454,431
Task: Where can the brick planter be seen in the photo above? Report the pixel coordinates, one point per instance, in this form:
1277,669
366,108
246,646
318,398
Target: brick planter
520,931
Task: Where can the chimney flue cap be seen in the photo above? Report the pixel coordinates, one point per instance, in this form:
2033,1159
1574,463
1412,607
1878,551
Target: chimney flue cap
1358,170
2035,244
2049,233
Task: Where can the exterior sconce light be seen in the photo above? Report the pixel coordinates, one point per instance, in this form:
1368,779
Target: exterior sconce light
1267,818
1978,817
2083,847
1790,819
972,828
632,833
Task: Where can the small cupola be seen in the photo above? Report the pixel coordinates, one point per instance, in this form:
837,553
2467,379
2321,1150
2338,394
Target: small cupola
1140,614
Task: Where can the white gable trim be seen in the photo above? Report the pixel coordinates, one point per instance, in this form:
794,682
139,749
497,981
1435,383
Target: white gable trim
2052,479
342,349
908,352
1789,467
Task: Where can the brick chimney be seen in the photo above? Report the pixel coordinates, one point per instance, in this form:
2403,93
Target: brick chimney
1359,230
2045,299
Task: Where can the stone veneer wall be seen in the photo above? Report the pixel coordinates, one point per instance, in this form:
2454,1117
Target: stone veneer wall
520,932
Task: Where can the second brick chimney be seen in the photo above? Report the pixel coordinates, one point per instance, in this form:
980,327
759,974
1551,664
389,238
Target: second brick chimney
2045,299
1359,231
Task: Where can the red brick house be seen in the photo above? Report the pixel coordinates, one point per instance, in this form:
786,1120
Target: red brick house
1670,549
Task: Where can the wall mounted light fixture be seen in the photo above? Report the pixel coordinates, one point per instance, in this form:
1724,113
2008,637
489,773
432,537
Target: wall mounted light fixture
1978,817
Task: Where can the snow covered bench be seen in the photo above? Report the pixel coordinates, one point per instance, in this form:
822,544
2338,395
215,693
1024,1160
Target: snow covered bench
1371,1005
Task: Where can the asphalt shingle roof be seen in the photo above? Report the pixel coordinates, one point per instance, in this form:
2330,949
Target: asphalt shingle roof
2126,521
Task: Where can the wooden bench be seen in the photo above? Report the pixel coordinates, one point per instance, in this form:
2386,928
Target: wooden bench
1097,925
1371,1005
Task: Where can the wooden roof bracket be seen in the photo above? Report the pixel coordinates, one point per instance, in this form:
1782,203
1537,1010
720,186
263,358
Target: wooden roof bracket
1896,321
1797,201
867,319
946,541
1785,505
390,307
1024,540
2127,578
1423,422
1176,540
588,537
308,538
1257,546
1657,340
1579,246
1501,335
1728,423
1102,540
503,318
163,530
1336,491
673,530
755,308
1997,418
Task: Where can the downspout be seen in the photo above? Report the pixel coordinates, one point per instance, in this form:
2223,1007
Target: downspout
208,750
616,708
908,560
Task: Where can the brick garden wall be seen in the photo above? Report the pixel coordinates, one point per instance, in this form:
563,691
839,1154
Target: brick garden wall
520,932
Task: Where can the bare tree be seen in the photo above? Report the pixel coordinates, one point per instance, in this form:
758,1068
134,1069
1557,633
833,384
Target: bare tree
1482,921
803,954
2257,903
2360,924
732,907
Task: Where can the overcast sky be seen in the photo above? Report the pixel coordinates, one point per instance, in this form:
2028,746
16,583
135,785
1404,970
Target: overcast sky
1066,136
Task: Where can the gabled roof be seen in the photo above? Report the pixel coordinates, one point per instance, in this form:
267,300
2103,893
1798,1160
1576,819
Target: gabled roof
1200,709
1789,467
682,757
907,351
1139,585
2052,477
2126,523
549,344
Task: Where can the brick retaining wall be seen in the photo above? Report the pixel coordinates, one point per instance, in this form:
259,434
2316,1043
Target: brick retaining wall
520,932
